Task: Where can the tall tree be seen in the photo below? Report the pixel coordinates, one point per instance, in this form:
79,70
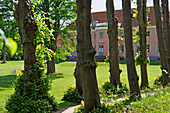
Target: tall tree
27,30
113,44
131,69
142,21
166,33
161,42
87,52
62,12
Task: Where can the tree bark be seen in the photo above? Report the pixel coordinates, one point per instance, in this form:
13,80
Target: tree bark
131,69
77,78
166,33
113,44
4,53
27,31
142,21
161,42
87,53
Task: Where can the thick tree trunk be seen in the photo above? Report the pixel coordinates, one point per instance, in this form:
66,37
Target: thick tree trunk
166,33
142,21
4,53
113,44
131,69
27,31
87,53
161,42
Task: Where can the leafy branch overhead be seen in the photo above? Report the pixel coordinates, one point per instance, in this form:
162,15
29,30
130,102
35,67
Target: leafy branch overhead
9,42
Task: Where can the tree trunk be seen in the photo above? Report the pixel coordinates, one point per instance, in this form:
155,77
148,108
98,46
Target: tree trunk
4,53
142,21
27,30
131,69
113,44
161,42
87,53
78,79
166,33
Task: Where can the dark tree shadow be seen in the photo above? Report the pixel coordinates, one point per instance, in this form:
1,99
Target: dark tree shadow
6,81
55,76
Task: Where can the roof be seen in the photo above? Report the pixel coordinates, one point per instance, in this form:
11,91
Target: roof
102,16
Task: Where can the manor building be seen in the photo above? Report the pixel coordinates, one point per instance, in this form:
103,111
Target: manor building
100,39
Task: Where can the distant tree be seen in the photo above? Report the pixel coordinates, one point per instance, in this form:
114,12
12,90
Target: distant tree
142,21
113,44
86,54
61,12
161,42
131,69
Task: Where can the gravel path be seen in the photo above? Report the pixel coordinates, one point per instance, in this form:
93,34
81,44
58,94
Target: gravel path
72,108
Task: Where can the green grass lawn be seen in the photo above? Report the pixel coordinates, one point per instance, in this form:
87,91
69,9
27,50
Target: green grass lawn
60,84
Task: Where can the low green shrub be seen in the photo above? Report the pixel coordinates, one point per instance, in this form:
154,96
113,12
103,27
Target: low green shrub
32,97
108,88
158,80
105,108
72,95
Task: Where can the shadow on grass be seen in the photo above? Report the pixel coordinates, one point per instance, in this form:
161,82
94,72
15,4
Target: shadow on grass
55,76
6,81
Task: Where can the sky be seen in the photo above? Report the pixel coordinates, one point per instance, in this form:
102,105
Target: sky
99,5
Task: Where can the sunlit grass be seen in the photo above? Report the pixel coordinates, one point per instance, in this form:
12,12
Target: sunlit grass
60,84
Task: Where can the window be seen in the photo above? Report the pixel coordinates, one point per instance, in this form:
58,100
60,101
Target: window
101,35
147,47
94,24
121,34
148,33
121,58
95,36
122,48
158,47
101,50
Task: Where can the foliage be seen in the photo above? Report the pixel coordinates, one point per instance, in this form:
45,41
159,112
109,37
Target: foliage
9,26
60,83
139,60
107,59
60,15
72,95
110,89
31,97
158,80
9,43
159,102
103,109
136,37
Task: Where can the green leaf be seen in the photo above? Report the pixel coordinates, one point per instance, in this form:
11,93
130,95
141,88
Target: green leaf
11,45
